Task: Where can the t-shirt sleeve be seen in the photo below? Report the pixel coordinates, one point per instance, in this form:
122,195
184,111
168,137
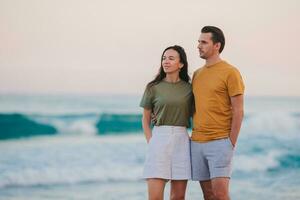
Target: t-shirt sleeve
194,75
147,99
235,83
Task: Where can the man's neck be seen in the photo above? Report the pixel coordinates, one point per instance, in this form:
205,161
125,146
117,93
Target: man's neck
213,60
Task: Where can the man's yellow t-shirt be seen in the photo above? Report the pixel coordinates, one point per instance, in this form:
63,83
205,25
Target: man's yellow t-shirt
212,87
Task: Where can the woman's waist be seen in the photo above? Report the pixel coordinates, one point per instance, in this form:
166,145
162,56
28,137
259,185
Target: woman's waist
169,128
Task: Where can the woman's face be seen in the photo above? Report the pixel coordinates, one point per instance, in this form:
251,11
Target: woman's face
171,61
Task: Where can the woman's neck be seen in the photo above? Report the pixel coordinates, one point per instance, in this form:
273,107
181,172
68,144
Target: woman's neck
172,78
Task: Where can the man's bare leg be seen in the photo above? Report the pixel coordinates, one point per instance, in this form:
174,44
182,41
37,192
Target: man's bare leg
178,189
220,187
207,190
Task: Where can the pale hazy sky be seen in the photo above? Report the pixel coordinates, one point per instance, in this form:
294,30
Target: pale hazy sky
110,46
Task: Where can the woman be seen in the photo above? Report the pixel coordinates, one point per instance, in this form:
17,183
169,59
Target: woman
169,98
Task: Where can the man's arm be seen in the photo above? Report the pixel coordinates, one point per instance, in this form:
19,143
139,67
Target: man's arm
237,103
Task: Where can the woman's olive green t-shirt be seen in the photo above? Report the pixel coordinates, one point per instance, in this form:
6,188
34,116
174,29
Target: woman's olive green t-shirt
171,103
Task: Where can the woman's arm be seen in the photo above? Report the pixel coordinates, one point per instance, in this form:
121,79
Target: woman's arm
146,121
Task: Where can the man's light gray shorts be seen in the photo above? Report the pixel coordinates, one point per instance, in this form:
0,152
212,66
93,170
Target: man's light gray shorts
211,159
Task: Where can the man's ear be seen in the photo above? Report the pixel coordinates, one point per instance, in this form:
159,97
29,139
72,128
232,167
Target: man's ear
218,45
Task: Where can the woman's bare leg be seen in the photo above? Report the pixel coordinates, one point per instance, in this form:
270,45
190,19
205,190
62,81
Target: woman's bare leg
156,188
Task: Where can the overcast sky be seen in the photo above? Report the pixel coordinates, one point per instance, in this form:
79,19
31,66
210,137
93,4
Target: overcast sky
112,47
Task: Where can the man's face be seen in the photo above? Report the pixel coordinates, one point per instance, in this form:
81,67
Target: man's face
206,46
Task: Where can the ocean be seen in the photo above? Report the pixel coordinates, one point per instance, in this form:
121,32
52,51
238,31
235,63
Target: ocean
92,147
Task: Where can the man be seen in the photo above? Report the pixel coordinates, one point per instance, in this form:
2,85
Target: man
218,91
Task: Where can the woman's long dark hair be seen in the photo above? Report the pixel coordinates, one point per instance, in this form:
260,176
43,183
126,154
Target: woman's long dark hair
183,73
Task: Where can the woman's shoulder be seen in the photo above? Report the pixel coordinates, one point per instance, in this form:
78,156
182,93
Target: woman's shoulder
151,88
187,84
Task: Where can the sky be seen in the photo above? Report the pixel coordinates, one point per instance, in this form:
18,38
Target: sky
114,47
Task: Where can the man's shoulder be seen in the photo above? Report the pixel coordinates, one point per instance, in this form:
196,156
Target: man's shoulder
230,69
198,70
196,73
229,66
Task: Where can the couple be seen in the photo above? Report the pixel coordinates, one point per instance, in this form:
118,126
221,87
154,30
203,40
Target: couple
214,100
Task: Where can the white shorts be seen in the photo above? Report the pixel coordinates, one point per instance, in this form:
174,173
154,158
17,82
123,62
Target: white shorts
168,154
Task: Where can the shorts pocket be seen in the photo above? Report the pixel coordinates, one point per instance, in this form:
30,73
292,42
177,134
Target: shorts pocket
230,143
